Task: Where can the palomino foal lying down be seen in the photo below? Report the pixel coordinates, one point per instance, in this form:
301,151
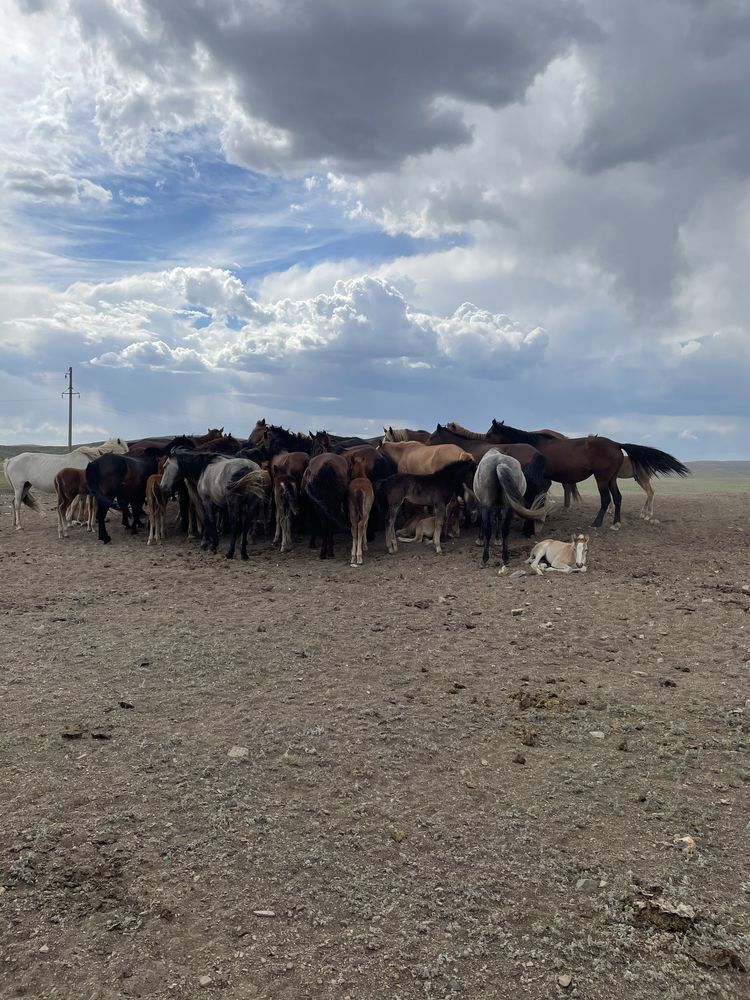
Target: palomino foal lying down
563,557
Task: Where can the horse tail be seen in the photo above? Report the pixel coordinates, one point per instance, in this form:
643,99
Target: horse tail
538,510
649,462
250,484
575,496
288,491
320,488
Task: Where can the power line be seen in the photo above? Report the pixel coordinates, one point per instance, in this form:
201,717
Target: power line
40,399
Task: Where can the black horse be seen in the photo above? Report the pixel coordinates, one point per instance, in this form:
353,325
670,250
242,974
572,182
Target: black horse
121,479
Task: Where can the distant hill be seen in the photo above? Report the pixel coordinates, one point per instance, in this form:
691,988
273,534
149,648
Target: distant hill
720,470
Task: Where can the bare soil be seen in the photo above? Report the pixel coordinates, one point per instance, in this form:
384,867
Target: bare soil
290,778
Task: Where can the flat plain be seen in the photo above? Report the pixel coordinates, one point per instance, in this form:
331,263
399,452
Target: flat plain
290,778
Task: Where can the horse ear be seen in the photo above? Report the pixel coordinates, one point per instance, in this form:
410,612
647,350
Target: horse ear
439,427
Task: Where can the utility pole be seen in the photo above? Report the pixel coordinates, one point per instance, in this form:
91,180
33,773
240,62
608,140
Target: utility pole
70,392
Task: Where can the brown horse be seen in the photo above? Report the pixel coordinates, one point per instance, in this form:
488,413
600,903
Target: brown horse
166,444
156,507
287,470
571,460
223,444
325,482
360,498
70,486
415,459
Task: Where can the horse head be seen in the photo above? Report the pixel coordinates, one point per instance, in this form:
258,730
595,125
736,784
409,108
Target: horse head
580,549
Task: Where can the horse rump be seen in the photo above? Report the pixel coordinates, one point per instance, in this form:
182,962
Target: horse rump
538,510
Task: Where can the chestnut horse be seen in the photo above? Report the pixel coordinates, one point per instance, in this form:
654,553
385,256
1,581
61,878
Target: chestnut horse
571,460
70,485
360,498
287,470
415,459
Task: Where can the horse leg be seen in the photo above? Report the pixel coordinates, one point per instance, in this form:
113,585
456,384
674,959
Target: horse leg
184,501
647,511
617,498
233,517
439,519
325,529
136,506
506,518
18,496
486,532
101,515
62,524
567,494
390,527
362,539
245,530
604,494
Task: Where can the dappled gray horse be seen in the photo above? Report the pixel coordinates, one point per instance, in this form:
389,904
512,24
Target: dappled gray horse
499,486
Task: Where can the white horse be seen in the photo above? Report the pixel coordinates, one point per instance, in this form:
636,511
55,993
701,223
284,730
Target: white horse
37,470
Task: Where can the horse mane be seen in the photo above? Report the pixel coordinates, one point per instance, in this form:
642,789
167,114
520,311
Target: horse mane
398,433
456,428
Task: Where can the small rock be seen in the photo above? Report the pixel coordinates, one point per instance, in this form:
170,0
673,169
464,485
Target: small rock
264,913
623,745
516,611
519,758
44,949
517,573
205,981
398,835
685,843
72,733
564,981
238,753
126,704
597,734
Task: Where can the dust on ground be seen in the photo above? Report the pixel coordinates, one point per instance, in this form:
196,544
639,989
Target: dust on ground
415,779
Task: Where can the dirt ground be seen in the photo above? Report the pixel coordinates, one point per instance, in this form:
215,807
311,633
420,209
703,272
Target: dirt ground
415,779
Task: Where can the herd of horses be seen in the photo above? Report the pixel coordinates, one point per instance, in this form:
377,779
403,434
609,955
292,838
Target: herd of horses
284,482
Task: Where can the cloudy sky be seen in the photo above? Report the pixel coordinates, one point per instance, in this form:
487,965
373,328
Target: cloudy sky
345,214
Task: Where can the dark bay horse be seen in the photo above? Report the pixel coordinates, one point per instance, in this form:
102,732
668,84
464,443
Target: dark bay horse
278,439
326,482
571,460
287,470
434,490
224,444
122,478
